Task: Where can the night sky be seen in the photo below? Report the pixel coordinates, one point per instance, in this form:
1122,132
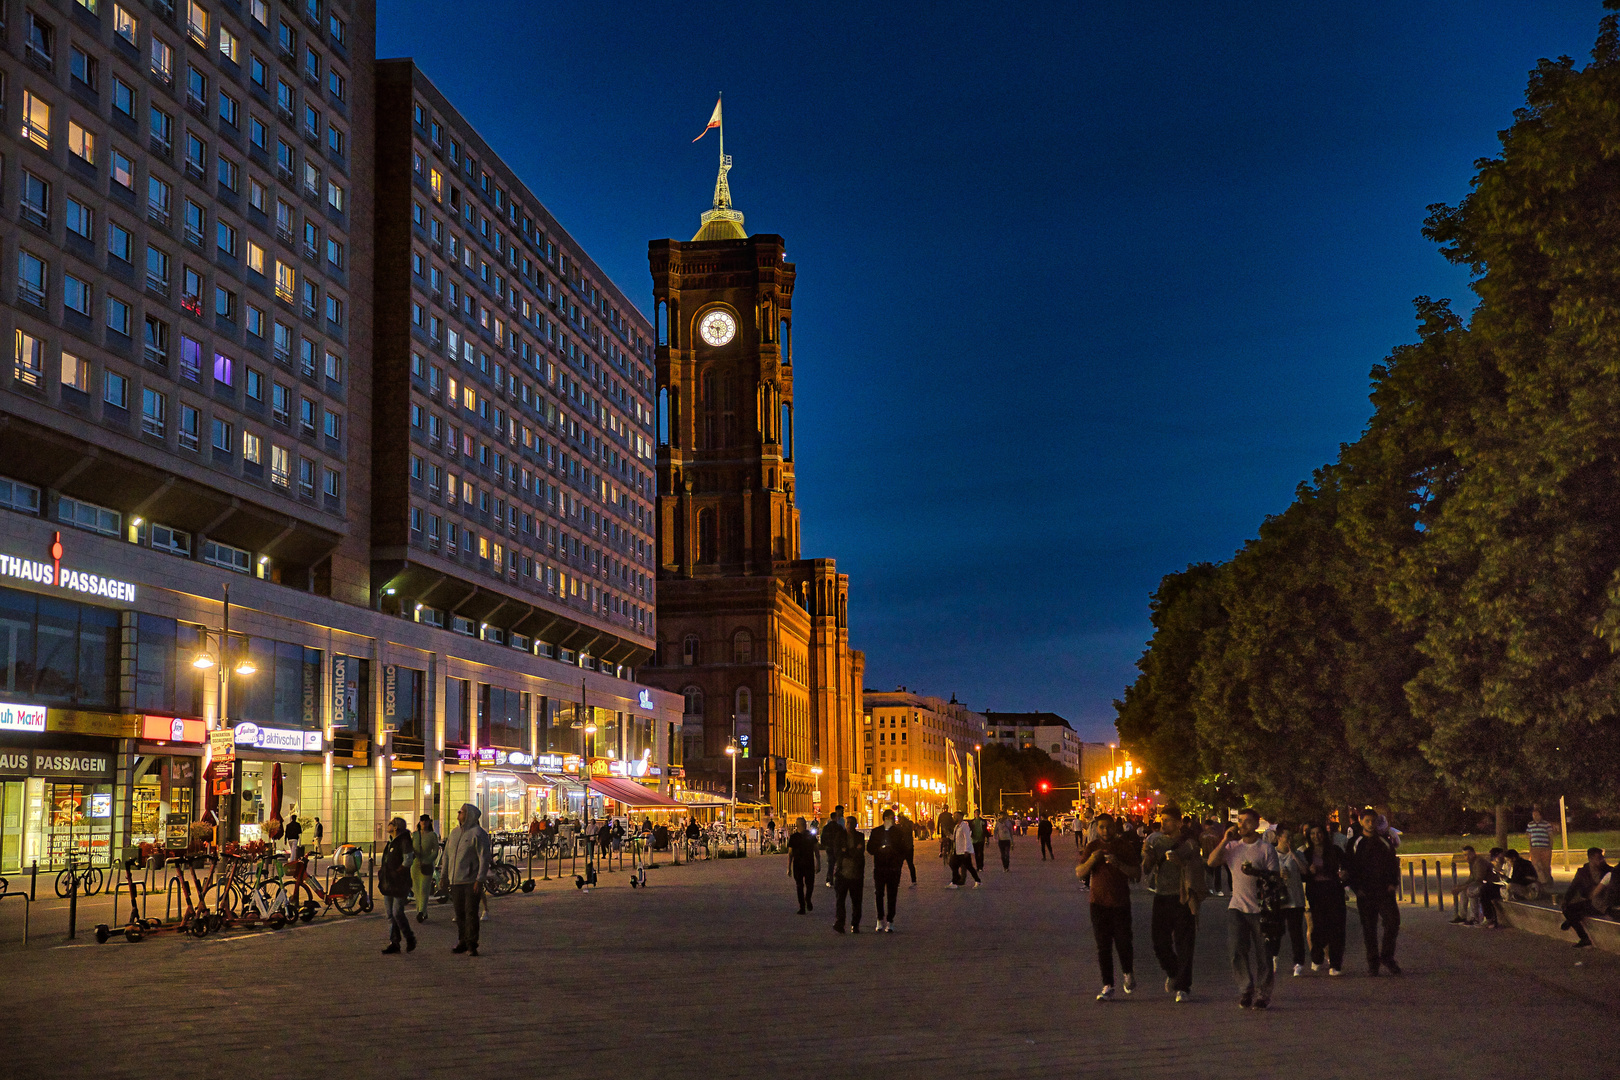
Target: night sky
1083,292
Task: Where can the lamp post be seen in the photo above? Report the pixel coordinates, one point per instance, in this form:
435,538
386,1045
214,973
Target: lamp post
815,771
586,730
226,824
731,752
978,767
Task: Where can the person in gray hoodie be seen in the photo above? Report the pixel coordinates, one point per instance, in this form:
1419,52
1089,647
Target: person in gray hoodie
467,856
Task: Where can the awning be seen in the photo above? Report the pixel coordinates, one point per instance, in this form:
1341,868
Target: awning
632,794
512,776
569,784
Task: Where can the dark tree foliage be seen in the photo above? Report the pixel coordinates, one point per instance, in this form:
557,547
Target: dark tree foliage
1438,613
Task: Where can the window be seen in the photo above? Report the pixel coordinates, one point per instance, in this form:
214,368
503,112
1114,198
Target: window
88,516
36,200
123,171
288,37
170,540
224,303
230,46
196,155
334,253
255,257
312,122
162,60
306,478
159,198
41,40
336,28
85,69
286,282
224,433
190,427
257,72
118,315
225,238
125,25
252,448
254,387
197,22
336,86
333,425
259,136
154,406
280,466
334,310
280,403
190,359
333,483
162,128
36,125
229,173
81,142
260,10
230,110
81,219
312,65
157,269
255,321
335,141
30,363
76,373
115,390
123,97
306,415
226,557
256,194
196,87
16,495
75,295
336,197
334,367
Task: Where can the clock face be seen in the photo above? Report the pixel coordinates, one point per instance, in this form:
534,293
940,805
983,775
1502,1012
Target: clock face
718,327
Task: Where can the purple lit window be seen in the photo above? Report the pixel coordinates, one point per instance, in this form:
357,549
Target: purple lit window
224,370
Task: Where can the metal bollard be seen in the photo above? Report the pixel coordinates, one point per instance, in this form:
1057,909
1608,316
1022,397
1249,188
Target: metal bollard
33,882
73,908
1426,882
1411,881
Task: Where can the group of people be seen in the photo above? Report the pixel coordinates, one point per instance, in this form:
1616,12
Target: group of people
408,864
1273,878
891,846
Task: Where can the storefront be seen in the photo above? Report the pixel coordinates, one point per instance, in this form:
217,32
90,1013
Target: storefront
280,771
167,765
58,804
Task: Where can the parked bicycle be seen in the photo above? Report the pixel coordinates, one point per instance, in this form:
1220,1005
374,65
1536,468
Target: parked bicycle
87,878
345,890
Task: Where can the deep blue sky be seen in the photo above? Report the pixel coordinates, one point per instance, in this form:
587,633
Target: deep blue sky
1084,290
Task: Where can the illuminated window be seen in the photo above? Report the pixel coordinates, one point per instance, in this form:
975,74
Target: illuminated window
36,125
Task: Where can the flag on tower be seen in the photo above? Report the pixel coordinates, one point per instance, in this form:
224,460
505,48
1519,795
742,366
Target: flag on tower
714,121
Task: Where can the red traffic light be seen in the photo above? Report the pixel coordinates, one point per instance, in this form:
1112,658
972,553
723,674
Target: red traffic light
1045,787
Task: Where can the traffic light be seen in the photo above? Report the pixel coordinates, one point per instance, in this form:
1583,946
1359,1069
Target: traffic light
1045,787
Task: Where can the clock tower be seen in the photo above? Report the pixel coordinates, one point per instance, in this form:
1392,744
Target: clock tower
753,635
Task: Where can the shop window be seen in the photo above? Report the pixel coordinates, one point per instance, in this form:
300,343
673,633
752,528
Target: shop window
503,717
457,693
402,700
58,651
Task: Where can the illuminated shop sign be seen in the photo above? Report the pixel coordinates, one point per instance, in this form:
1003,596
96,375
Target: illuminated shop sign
21,717
287,740
54,573
174,729
646,700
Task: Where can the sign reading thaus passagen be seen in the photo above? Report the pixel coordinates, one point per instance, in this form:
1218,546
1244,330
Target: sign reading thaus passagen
54,573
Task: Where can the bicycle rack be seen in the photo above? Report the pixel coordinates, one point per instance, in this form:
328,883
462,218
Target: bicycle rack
28,907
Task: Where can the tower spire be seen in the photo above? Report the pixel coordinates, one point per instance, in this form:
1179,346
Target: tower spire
722,222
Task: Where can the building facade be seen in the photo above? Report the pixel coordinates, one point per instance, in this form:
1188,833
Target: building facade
753,636
920,752
1047,732
190,412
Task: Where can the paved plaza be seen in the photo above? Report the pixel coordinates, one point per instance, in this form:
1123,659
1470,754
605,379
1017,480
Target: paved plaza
710,973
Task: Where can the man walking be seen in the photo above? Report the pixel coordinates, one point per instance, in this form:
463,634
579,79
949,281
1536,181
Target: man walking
804,862
962,860
886,845
1169,858
1109,863
425,846
291,834
1004,840
1539,830
832,841
1246,858
980,834
908,833
849,878
1375,874
1044,832
467,857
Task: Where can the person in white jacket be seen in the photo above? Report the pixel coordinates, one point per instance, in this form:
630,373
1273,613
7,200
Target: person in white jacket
962,861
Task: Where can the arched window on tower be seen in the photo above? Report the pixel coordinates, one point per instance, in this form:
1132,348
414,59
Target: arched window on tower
707,546
663,416
663,322
742,647
787,431
745,703
694,701
690,653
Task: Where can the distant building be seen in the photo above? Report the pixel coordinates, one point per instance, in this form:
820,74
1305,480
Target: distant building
1047,732
919,751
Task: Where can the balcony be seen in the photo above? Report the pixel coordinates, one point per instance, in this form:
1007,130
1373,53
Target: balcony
39,56
158,215
157,355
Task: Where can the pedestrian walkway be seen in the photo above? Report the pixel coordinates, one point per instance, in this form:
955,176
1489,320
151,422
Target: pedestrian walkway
710,973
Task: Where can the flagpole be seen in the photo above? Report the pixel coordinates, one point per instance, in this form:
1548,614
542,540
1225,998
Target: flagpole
720,103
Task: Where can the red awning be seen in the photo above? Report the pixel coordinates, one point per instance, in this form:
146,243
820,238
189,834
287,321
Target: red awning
632,794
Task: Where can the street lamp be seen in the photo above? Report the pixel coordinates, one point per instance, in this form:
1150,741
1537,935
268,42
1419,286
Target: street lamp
978,758
731,752
586,728
205,660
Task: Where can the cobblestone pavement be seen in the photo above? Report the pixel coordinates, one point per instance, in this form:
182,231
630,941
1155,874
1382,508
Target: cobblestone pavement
710,973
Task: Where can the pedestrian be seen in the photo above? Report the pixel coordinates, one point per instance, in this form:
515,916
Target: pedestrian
804,862
980,834
1579,900
849,878
908,832
290,835
833,837
1079,827
1107,861
1247,858
1169,858
1325,875
1479,889
1539,830
425,847
1004,840
887,846
962,860
1291,865
467,856
320,831
1375,874
1208,841
1044,832
394,882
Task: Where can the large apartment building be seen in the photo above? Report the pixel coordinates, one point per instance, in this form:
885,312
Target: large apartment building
227,535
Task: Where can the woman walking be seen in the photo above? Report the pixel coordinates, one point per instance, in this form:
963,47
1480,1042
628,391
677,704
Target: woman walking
1294,869
1324,876
394,881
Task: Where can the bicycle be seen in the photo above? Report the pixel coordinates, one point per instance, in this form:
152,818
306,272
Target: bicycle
87,881
344,890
